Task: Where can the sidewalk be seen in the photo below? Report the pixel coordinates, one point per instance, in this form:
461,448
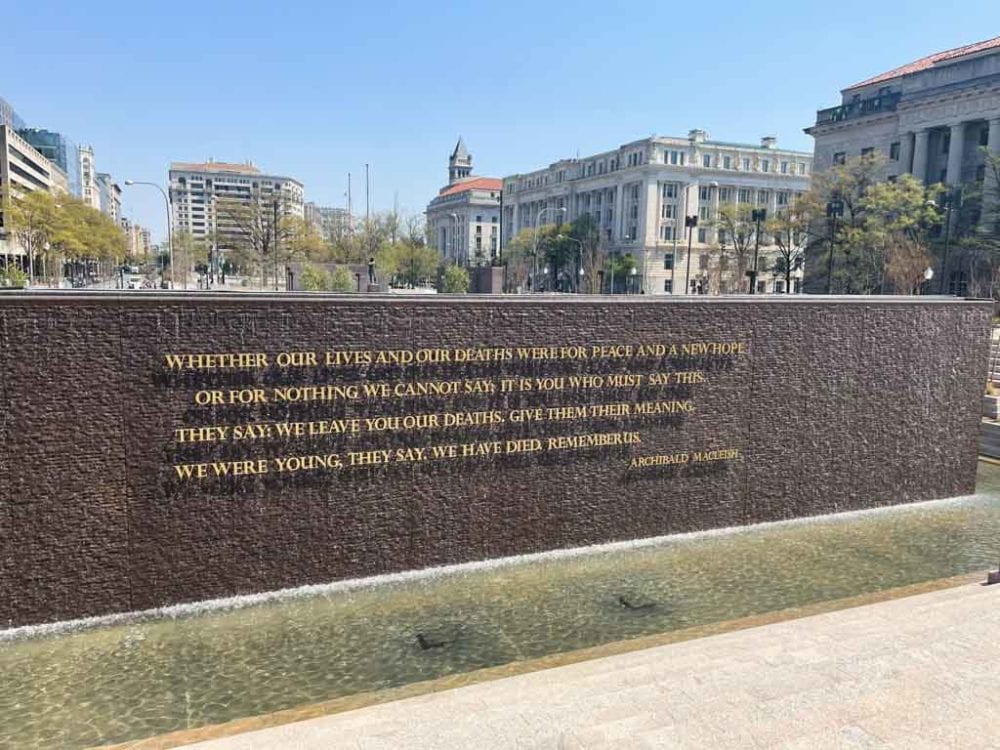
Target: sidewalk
918,672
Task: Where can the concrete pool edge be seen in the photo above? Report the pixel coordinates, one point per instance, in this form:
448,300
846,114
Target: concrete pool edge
361,700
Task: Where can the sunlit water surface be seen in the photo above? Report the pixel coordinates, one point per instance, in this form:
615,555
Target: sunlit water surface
126,682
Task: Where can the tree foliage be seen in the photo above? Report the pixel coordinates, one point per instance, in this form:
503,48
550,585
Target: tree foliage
53,227
883,232
455,280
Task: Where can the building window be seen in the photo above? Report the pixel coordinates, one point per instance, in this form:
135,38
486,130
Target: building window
779,286
840,157
670,190
894,151
703,262
668,211
867,153
704,193
765,165
802,168
725,194
668,286
706,161
668,262
763,196
702,235
744,196
761,287
666,232
784,167
727,162
746,165
704,213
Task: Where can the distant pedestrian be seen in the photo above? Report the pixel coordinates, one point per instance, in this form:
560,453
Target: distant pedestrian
371,270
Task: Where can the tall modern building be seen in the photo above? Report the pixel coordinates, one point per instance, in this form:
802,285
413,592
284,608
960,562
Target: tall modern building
57,149
89,191
464,219
639,194
931,118
8,116
198,189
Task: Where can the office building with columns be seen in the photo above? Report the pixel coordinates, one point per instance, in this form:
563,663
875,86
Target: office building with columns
463,220
931,118
640,193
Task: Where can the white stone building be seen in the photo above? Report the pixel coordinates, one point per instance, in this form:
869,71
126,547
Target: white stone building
90,192
931,118
197,188
639,193
463,221
330,222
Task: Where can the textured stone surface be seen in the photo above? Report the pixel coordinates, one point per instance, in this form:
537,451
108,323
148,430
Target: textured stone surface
839,404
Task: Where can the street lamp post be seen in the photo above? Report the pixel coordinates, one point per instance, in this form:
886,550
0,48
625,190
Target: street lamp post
928,275
579,263
690,222
538,221
834,209
170,237
949,201
757,216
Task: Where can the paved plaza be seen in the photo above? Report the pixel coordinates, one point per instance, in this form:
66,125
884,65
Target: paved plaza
917,672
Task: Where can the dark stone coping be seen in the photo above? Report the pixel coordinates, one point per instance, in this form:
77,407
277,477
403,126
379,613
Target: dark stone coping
161,296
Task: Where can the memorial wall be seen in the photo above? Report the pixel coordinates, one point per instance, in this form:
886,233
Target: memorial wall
165,448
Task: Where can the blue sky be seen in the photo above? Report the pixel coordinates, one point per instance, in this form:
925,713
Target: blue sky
316,89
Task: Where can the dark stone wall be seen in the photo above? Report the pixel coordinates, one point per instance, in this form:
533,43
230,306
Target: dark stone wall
838,404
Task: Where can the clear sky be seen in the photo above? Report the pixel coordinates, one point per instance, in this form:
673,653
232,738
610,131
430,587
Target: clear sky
314,90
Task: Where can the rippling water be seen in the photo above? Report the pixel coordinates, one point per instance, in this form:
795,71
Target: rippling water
126,682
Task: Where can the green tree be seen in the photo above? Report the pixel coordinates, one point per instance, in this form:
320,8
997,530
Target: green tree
878,219
455,280
341,281
737,238
315,278
33,220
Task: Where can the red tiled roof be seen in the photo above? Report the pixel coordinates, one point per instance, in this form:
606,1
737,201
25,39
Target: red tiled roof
930,61
476,183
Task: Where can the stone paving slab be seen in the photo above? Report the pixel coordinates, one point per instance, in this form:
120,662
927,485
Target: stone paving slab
918,672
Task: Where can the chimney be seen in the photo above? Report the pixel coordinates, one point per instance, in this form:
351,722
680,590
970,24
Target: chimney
768,141
697,136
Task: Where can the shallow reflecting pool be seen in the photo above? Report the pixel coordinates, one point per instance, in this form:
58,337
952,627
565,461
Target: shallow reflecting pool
127,682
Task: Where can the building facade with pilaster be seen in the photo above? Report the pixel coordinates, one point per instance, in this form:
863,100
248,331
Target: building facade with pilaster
931,118
640,193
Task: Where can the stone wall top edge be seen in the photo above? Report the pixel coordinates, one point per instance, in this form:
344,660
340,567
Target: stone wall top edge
243,298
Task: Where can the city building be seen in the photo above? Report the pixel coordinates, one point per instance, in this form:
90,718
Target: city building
931,118
23,170
8,116
330,222
464,219
197,189
639,194
89,192
57,149
109,196
138,238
